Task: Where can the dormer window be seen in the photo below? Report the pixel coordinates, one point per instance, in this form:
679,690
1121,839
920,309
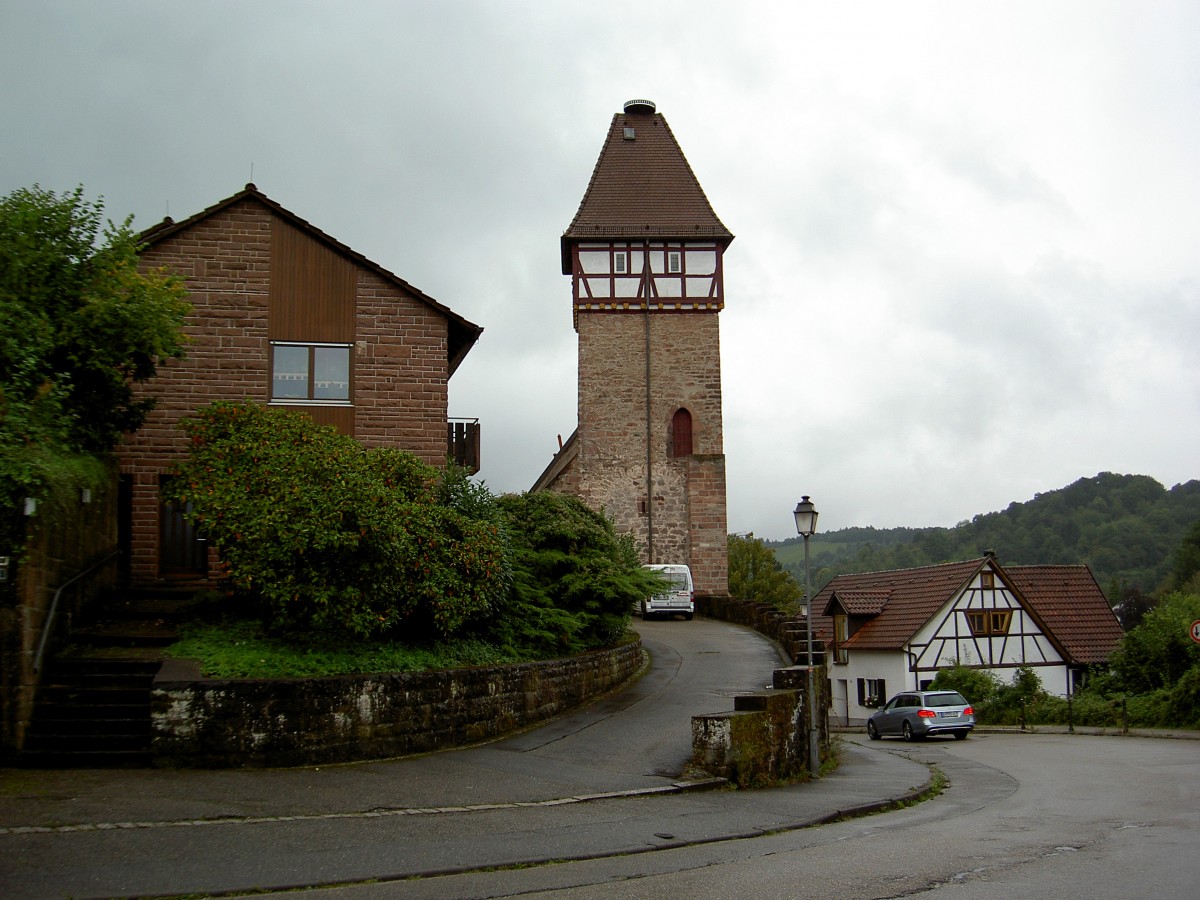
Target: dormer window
841,634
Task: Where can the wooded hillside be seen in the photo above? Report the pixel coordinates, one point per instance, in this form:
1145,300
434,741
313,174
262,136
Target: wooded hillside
1126,528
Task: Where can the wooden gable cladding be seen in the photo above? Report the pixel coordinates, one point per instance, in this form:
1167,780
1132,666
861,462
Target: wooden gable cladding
340,417
312,290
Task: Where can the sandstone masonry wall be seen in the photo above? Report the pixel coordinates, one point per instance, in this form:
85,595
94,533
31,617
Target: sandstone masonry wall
680,505
288,722
400,367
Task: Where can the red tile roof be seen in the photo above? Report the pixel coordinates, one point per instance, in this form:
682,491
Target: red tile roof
914,595
863,602
1065,599
642,187
1071,604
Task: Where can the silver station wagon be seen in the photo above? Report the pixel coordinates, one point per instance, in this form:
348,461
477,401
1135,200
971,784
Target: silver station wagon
915,715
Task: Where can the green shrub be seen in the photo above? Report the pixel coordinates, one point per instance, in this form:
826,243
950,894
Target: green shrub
977,685
1090,708
755,574
1159,652
1185,699
319,533
241,649
575,580
82,326
1021,701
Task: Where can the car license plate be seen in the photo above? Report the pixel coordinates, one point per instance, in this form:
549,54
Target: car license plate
948,715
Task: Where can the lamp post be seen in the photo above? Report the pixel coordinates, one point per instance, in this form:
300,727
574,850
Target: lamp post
806,527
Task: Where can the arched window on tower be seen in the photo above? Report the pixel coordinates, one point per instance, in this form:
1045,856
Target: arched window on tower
681,433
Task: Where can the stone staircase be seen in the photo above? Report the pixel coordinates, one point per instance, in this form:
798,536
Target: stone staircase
93,704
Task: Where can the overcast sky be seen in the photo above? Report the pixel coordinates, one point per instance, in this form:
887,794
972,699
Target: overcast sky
967,263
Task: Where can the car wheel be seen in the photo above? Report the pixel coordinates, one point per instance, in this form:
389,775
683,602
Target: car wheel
688,616
960,735
872,731
908,732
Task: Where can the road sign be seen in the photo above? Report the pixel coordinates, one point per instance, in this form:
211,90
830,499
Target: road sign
1196,631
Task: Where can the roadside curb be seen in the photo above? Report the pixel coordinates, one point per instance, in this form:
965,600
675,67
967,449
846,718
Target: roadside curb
669,843
1176,734
679,787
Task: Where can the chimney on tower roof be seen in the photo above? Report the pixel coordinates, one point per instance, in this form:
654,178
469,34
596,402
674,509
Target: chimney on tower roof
640,107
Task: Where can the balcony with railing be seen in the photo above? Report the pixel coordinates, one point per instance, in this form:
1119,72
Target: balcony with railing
462,443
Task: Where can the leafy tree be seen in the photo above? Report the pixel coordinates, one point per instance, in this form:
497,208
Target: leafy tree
755,574
82,324
575,580
317,532
1131,606
1159,652
1124,527
81,327
1185,575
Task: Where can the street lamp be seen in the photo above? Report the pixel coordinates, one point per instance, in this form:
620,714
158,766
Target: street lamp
806,527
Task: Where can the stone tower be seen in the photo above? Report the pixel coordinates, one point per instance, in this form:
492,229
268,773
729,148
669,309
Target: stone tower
644,253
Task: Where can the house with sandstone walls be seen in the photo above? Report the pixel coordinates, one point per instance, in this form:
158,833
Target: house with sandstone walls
285,315
645,255
886,632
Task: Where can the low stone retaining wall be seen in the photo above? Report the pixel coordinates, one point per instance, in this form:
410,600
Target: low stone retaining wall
767,620
310,721
761,742
765,739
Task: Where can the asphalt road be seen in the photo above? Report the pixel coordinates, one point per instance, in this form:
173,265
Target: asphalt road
158,832
1024,816
590,806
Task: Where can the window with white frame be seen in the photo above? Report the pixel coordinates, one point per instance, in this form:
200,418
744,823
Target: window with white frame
674,261
310,373
841,634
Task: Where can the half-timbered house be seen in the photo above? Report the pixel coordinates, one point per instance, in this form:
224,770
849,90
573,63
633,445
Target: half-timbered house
891,631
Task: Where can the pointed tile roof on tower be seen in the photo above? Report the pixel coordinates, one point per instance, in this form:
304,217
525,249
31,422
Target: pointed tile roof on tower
642,187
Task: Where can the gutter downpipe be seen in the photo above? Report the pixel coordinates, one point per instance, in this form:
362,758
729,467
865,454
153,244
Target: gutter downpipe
647,281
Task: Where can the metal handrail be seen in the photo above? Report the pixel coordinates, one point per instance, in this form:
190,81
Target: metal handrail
48,624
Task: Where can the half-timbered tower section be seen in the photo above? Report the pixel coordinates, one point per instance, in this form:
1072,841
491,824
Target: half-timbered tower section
645,254
285,315
891,631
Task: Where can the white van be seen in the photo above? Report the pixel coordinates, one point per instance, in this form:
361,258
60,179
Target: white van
679,598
